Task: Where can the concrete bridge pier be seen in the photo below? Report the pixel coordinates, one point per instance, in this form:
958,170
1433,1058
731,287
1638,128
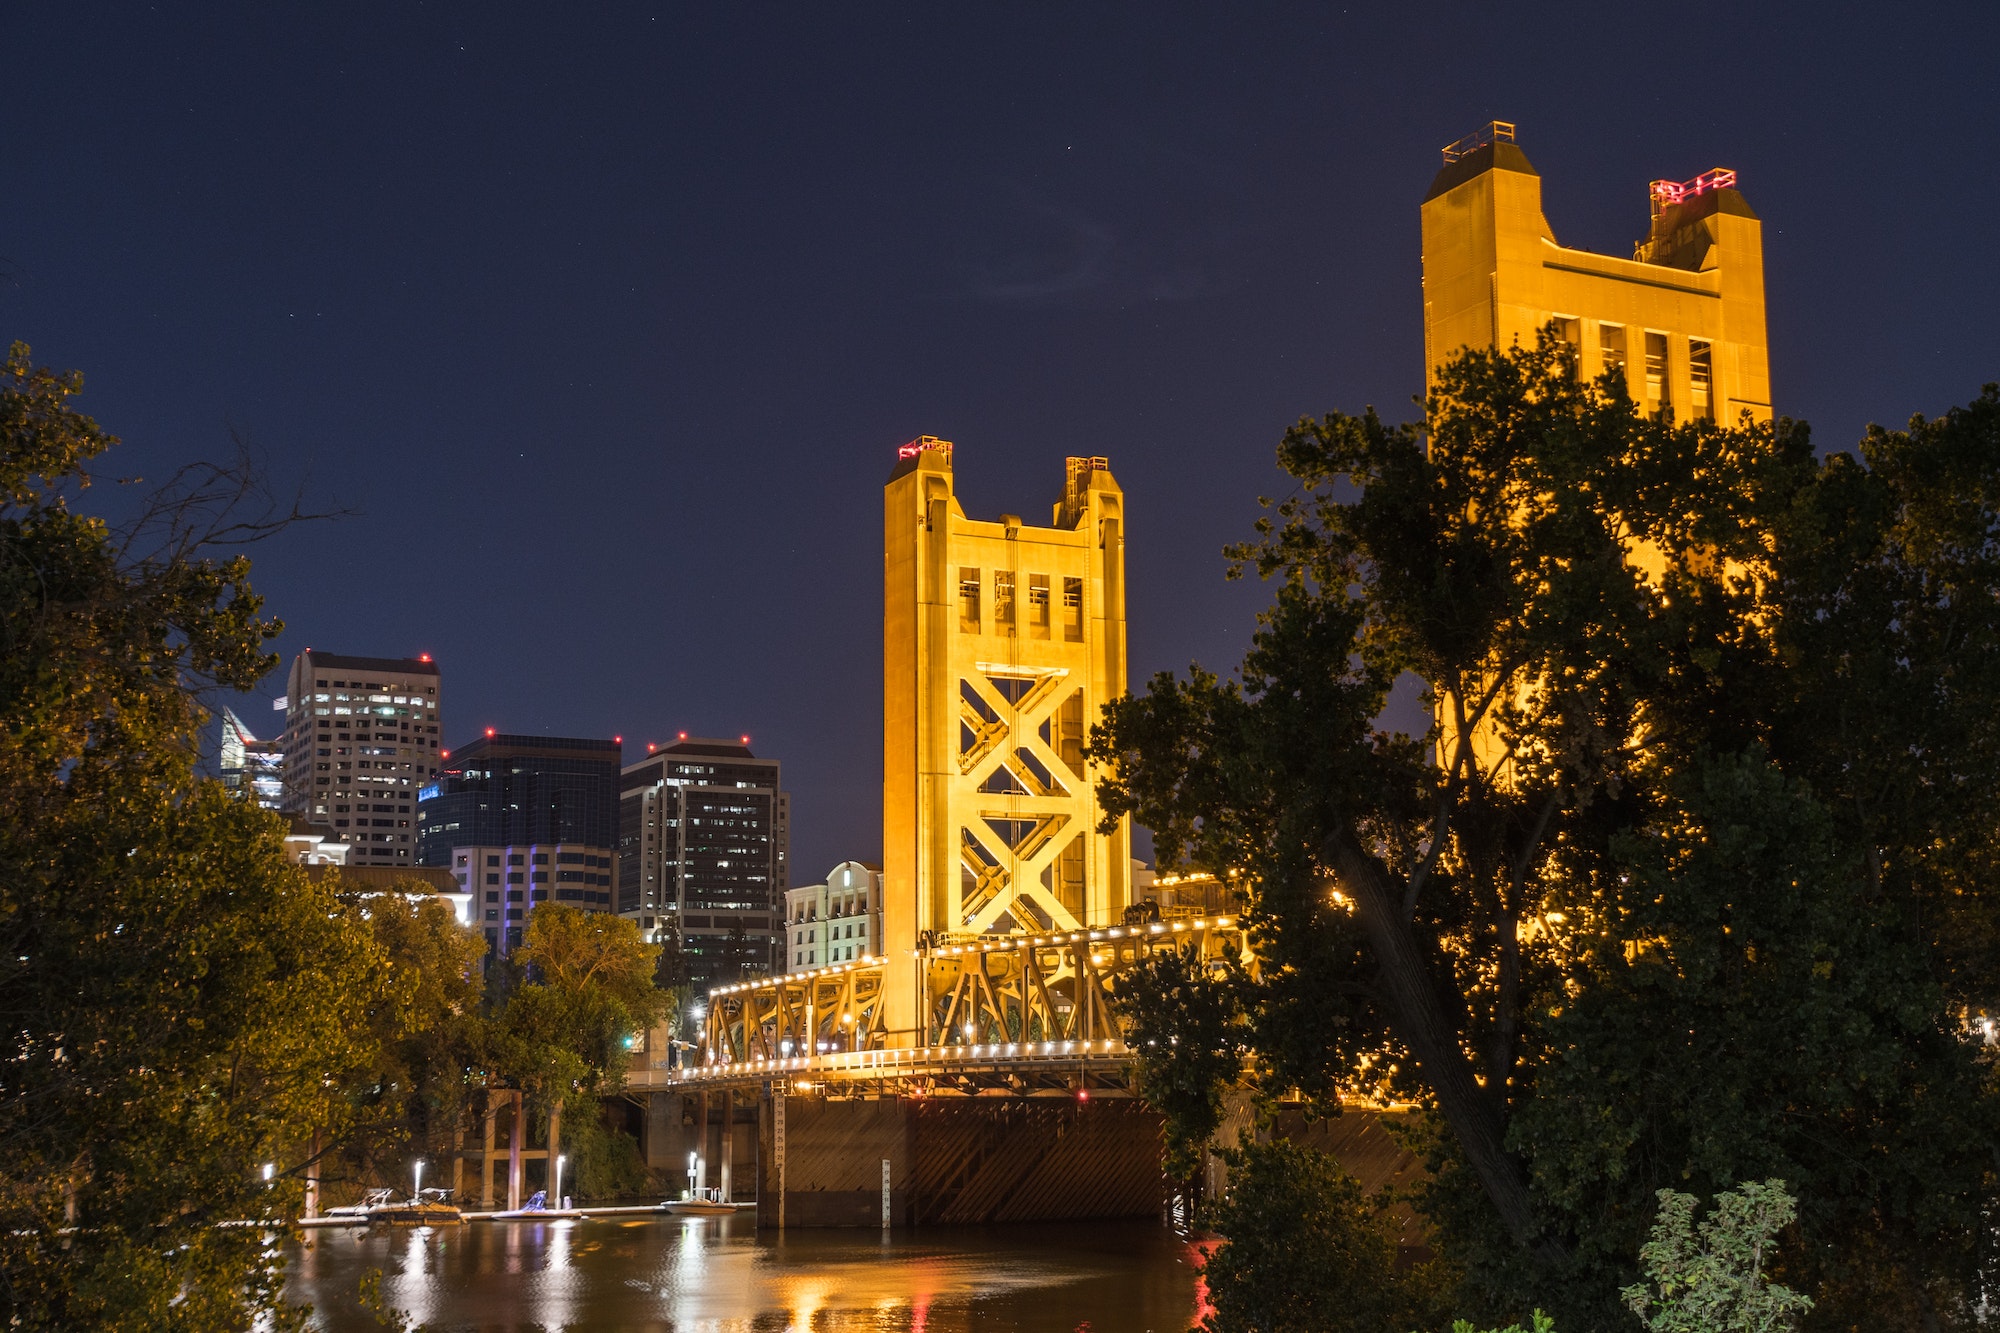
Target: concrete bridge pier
514,1146
489,1121
725,1155
702,1122
957,1160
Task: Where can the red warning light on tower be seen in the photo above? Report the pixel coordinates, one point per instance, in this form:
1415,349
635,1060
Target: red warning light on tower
925,444
1674,192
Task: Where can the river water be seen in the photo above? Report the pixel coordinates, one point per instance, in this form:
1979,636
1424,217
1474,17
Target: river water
720,1275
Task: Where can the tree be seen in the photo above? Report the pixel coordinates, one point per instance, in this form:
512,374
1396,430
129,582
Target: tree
1285,1202
584,986
423,1025
1738,1001
1487,554
177,996
1185,1029
1622,625
1716,1284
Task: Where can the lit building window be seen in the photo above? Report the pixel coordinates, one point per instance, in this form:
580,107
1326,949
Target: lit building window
1611,346
1656,369
1701,380
968,600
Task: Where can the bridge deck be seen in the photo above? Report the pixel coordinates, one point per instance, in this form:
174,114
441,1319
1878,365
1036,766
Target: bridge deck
1079,1061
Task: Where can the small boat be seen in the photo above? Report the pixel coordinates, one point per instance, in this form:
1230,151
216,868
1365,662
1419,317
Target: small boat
431,1208
360,1212
705,1203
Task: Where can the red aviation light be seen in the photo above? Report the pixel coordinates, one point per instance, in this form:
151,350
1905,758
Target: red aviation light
1666,193
489,731
925,444
423,657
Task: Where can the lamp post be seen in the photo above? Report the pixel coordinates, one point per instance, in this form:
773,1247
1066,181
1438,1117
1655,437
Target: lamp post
420,1180
561,1157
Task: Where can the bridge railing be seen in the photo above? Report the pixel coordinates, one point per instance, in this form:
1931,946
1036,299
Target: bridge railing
1053,989
891,1062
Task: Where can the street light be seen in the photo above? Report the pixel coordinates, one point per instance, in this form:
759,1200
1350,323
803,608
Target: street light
270,1169
561,1157
420,1179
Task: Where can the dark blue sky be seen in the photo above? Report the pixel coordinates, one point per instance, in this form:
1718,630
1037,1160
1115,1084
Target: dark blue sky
608,324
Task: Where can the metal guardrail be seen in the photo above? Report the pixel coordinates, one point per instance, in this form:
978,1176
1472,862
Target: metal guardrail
893,1062
1493,131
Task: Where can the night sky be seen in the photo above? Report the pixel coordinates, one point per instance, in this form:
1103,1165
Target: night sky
607,325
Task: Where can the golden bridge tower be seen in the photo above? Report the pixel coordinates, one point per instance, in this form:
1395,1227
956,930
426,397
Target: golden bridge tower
1001,643
1683,318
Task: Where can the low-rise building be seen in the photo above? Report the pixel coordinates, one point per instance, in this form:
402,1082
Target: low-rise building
507,883
839,921
417,883
306,845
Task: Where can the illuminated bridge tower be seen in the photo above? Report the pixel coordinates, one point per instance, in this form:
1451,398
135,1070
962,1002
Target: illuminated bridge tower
1001,644
1683,317
1682,320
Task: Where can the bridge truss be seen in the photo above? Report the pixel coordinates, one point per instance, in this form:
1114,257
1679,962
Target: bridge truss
1020,1011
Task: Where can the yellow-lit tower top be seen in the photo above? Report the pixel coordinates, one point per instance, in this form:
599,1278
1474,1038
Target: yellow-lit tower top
1001,644
1683,317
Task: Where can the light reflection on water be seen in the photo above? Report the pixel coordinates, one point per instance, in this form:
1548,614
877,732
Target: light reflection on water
718,1275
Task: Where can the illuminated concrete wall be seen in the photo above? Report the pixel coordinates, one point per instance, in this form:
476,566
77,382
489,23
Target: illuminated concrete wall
1001,644
1684,317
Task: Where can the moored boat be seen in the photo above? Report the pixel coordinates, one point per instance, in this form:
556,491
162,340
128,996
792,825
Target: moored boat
701,1203
431,1208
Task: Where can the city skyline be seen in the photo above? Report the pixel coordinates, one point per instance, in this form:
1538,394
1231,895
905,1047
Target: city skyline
622,321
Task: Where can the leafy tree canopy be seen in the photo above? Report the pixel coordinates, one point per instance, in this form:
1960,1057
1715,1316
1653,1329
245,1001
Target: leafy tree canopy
1686,883
1307,1252
584,985
177,996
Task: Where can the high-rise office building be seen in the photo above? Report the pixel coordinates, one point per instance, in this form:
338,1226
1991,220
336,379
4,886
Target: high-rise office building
252,768
1682,320
704,838
521,821
361,736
